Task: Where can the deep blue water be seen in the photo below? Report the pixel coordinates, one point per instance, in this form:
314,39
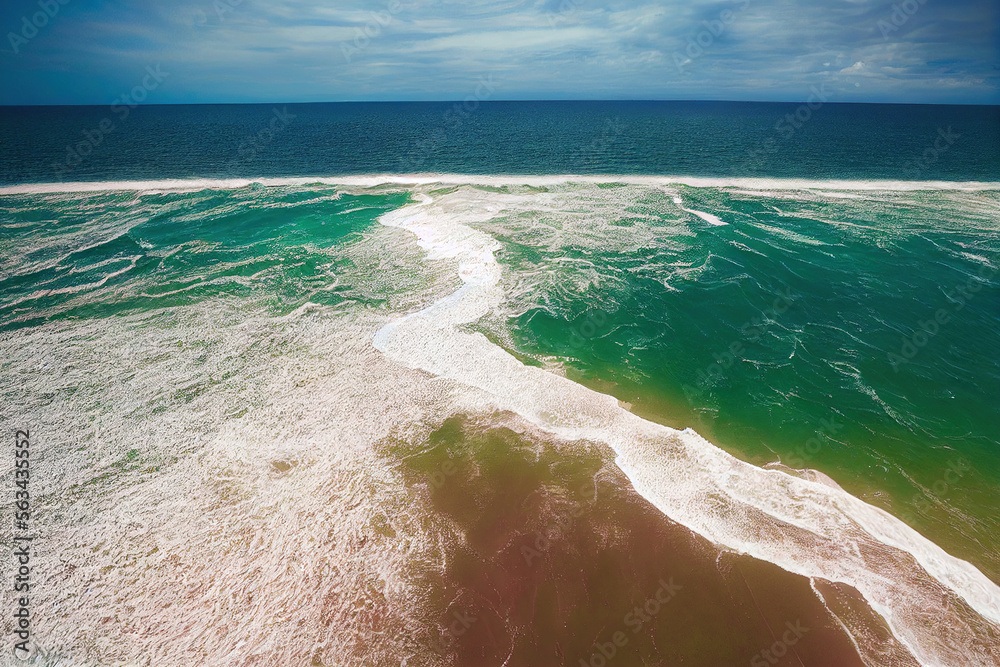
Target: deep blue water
855,141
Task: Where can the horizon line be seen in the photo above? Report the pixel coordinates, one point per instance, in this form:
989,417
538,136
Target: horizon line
459,101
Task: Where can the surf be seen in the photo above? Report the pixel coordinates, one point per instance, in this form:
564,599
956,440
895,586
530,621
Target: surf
758,185
806,527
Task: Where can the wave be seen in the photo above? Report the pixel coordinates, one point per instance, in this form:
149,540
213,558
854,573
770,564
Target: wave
943,609
713,220
372,180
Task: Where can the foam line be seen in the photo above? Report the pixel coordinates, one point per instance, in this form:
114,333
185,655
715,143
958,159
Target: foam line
713,220
944,610
372,180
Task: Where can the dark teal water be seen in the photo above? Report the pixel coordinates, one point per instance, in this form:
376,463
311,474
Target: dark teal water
826,140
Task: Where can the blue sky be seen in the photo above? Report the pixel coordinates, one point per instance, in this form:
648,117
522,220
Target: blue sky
92,51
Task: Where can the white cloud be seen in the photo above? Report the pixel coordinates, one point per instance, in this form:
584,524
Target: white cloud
557,48
513,40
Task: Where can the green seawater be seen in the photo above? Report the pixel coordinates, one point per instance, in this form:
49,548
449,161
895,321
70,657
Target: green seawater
101,254
857,334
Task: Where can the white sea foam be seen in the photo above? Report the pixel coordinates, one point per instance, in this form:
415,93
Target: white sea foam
171,537
214,556
944,610
713,220
823,186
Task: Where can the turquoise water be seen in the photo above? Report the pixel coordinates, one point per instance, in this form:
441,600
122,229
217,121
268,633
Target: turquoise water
104,254
803,332
228,343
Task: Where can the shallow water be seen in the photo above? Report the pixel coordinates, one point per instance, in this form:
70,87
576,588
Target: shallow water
226,369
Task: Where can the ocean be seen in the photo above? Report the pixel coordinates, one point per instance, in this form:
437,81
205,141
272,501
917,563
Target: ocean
506,383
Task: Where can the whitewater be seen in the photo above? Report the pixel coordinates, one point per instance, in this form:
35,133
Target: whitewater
943,610
759,186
